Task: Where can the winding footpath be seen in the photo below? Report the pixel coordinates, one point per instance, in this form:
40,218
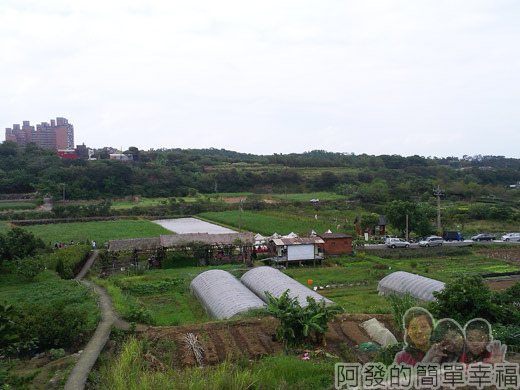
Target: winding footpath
78,376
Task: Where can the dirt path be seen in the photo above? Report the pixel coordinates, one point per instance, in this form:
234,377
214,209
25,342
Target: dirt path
78,376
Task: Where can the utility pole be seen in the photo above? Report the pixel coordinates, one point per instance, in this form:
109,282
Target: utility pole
63,184
406,227
239,215
438,193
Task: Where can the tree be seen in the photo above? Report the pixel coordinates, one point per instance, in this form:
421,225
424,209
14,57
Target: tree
465,298
369,222
19,243
419,215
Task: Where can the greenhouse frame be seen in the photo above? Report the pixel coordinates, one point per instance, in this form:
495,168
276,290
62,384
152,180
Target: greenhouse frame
262,279
222,295
400,282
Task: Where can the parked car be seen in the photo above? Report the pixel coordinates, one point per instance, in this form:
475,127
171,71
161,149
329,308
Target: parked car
396,243
431,241
511,237
483,237
450,235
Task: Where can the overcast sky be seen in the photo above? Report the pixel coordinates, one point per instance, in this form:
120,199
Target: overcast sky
433,78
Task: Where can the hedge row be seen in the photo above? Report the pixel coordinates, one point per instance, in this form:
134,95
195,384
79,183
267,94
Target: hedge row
68,261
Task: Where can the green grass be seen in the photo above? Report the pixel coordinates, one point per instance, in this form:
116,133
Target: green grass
309,195
296,220
99,231
149,202
131,371
46,289
17,206
159,297
3,227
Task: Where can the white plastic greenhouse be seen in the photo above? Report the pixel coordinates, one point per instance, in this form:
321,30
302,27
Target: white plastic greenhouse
401,282
263,279
222,295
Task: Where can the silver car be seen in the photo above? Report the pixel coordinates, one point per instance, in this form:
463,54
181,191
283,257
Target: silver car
432,241
396,243
511,237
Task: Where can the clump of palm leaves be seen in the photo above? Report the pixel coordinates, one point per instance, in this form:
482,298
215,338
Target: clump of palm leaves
300,324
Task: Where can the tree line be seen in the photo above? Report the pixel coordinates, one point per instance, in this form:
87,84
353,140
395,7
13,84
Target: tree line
183,172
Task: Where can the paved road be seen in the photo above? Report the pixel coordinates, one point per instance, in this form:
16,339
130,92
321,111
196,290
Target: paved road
446,243
78,376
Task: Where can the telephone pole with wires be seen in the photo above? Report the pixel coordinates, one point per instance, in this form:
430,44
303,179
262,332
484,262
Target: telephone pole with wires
438,193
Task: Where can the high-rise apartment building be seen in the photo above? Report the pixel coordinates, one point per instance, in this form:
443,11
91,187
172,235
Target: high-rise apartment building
59,134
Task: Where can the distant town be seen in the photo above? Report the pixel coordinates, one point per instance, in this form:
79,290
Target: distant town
59,135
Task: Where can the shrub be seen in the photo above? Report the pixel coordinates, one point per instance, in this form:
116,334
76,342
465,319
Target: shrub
19,243
465,298
29,267
66,261
178,260
54,326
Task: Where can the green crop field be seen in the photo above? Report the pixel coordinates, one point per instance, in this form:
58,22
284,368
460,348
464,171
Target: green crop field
147,202
159,297
164,298
47,289
300,221
99,231
17,206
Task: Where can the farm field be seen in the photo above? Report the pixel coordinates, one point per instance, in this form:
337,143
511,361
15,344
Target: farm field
159,297
48,289
300,221
100,231
147,202
163,298
3,227
17,206
305,197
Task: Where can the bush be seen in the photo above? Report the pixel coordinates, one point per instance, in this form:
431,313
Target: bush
66,261
19,243
29,267
178,260
54,326
466,298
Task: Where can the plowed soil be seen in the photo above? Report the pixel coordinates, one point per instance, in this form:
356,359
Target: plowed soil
255,337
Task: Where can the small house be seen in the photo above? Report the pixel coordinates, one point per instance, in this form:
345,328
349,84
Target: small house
336,244
297,249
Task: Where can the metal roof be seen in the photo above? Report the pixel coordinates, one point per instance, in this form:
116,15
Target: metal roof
298,241
262,279
134,243
205,238
326,236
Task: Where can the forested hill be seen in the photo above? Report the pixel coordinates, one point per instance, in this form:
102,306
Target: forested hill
178,172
